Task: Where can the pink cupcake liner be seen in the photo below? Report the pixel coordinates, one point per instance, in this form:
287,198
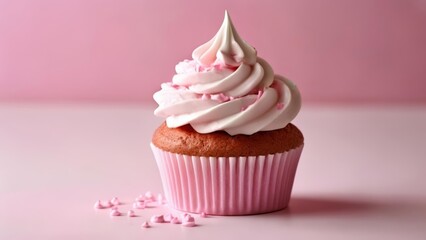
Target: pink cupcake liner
228,185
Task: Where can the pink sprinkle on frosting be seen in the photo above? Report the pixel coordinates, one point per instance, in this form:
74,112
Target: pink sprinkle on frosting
217,66
280,105
203,215
259,94
205,97
199,68
220,97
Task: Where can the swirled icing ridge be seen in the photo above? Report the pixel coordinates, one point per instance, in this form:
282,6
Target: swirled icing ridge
226,86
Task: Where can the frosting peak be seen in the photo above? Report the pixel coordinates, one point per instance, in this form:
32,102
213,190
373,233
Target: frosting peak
227,87
226,47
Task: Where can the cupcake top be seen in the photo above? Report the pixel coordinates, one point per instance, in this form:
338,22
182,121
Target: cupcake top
227,87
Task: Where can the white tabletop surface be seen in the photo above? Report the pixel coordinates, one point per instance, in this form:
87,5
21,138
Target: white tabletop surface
361,175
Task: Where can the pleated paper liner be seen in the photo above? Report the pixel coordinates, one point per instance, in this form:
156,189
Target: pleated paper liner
228,185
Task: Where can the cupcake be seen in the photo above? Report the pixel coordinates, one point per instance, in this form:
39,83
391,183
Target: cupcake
227,146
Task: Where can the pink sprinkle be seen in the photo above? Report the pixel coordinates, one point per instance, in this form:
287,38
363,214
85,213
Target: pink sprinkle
259,94
205,97
188,224
160,199
149,196
188,221
175,220
220,97
157,219
187,217
217,66
224,97
243,109
203,215
98,205
131,213
114,213
139,205
141,198
280,105
145,224
168,217
114,201
198,68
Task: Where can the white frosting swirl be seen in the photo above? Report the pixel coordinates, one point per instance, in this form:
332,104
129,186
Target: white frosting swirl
227,87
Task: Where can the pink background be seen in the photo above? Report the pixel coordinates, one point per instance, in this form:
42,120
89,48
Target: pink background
99,50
